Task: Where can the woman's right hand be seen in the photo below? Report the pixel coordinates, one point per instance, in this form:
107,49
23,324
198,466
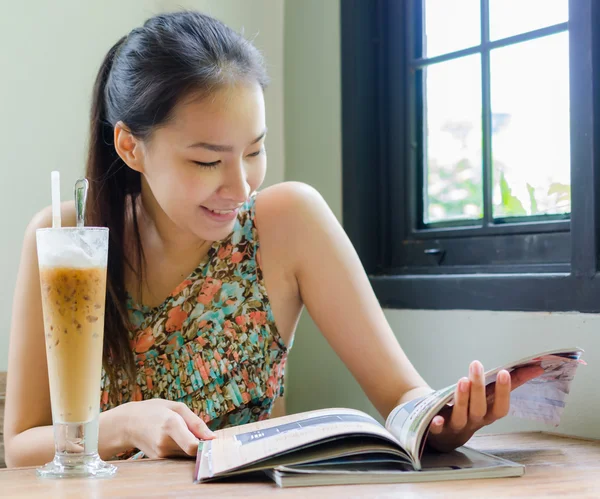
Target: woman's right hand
162,428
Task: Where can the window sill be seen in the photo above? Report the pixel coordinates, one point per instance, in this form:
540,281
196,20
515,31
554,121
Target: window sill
547,292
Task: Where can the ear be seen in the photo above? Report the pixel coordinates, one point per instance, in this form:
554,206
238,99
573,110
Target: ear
129,148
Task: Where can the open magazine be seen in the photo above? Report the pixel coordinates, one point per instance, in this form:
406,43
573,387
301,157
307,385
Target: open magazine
337,446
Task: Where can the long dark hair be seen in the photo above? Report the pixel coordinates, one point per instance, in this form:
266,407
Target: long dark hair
141,79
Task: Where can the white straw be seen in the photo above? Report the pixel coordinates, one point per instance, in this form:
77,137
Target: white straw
55,179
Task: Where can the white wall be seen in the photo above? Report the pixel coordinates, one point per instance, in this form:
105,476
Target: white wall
440,343
49,55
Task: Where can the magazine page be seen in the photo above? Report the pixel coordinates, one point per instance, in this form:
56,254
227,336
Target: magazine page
544,397
240,446
541,399
459,459
409,422
463,463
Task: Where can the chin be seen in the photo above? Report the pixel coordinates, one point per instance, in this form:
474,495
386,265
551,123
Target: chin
213,233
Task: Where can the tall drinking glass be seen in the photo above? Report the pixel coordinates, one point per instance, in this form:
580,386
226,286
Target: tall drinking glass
72,263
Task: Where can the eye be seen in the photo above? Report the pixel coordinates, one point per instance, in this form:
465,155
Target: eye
214,164
254,154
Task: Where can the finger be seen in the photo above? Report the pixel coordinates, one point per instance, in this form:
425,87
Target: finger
193,422
502,396
477,398
184,439
437,425
460,411
524,374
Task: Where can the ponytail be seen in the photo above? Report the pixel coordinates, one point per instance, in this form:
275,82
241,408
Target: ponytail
107,200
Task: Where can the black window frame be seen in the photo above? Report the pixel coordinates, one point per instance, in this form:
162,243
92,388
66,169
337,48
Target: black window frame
379,178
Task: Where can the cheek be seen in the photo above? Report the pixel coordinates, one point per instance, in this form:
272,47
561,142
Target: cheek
256,174
193,189
174,185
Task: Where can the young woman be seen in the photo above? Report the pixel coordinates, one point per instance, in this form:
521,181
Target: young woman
207,275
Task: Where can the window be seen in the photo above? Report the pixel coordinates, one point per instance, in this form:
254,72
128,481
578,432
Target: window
469,165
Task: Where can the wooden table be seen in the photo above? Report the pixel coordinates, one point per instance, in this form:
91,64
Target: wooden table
556,466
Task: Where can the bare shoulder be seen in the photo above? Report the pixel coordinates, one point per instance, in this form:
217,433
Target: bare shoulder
293,219
43,218
286,204
288,217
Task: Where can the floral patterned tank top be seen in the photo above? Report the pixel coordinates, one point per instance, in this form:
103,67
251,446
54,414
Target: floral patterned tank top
213,343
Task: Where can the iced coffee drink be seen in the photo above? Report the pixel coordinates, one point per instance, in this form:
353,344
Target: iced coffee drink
73,303
72,265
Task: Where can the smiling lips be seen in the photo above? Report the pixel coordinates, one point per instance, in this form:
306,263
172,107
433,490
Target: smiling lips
221,215
223,212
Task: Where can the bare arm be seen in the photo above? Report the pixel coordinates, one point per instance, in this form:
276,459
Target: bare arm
336,291
28,419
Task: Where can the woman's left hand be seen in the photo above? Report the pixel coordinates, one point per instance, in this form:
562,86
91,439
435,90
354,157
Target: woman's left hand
456,424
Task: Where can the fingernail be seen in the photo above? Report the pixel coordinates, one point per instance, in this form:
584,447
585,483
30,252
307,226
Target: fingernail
463,385
476,368
503,377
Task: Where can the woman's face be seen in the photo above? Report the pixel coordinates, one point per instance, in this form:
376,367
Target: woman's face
204,164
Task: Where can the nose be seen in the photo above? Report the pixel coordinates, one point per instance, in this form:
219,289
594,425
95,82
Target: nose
235,185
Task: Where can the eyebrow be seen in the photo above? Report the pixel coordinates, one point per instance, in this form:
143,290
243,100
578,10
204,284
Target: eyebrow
221,148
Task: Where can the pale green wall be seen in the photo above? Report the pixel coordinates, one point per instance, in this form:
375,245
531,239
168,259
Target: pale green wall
317,378
49,55
441,344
